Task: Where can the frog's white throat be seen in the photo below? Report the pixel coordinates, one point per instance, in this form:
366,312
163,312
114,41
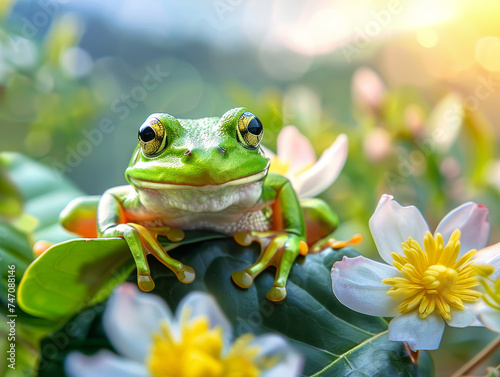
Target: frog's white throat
235,196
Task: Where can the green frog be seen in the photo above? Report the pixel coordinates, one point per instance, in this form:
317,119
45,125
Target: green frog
209,174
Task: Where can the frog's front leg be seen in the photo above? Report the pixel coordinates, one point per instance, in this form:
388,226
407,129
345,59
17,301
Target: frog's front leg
112,222
281,246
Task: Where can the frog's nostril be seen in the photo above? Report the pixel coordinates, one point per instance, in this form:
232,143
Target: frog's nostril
188,152
222,149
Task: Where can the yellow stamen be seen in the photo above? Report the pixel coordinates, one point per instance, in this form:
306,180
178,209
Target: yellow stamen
483,270
279,166
433,277
198,353
492,294
282,167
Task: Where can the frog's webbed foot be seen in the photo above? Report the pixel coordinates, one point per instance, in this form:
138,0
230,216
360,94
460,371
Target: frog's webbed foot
143,241
334,244
279,249
174,235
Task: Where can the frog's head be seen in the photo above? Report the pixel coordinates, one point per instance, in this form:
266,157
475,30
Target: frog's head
198,152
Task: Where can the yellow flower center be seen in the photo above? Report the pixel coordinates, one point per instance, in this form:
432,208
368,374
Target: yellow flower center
282,167
198,353
279,166
433,277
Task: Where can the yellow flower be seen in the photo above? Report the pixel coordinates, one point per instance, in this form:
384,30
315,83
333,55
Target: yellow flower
196,342
434,278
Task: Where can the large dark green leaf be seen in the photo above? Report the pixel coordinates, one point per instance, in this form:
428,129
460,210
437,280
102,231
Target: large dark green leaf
334,340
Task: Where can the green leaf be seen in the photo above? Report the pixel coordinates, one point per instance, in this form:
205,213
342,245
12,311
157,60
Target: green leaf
334,340
65,278
75,274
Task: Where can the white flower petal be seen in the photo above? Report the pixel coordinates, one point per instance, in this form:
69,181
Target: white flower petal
102,364
272,346
490,318
130,319
296,149
357,283
420,334
462,318
197,304
490,255
318,178
391,224
471,219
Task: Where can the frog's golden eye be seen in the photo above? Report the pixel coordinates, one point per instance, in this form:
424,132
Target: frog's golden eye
249,130
152,137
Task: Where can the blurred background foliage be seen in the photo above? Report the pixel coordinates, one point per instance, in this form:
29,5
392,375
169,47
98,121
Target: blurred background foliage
413,84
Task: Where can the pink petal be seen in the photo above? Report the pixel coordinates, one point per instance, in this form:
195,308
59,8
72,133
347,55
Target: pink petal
471,219
318,178
391,224
420,334
357,283
367,88
296,149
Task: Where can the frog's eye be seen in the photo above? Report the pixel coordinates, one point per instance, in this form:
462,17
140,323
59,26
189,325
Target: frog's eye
152,137
249,130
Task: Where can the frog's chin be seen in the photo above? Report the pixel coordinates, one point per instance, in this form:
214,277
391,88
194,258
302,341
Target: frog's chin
159,185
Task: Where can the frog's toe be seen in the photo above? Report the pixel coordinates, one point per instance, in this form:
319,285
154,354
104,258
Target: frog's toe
145,283
186,274
276,294
242,279
175,235
244,238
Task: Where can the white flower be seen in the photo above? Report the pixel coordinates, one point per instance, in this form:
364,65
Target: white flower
431,280
296,160
195,343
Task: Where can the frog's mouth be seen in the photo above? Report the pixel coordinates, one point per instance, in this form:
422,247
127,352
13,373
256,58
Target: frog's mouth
158,185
